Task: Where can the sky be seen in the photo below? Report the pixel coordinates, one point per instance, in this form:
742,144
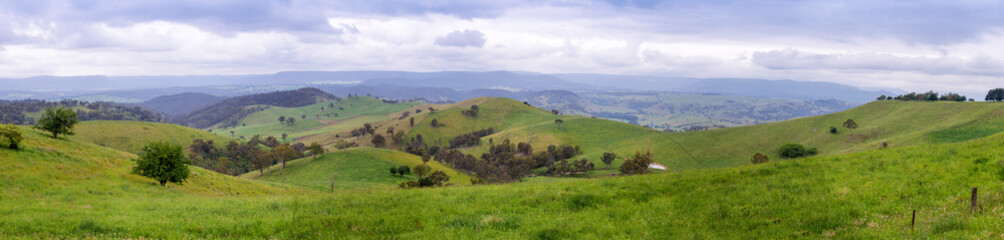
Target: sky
915,45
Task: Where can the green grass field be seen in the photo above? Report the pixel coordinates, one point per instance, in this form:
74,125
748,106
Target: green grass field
355,168
131,136
68,189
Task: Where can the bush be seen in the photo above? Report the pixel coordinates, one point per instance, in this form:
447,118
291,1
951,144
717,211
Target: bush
11,134
637,164
759,158
833,130
794,150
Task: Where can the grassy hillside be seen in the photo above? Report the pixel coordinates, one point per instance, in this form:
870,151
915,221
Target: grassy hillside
266,123
866,195
893,122
355,168
131,136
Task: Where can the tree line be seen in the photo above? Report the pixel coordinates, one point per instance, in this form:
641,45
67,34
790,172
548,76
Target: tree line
928,96
13,112
229,112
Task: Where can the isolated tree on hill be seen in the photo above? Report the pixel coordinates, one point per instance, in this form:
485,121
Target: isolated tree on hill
393,171
379,141
554,111
833,130
315,150
164,162
282,119
435,123
291,121
284,135
637,164
12,134
421,170
57,120
608,158
231,133
559,122
412,121
850,124
304,116
880,98
759,158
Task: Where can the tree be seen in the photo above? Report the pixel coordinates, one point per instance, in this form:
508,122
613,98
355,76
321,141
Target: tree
403,170
554,111
421,170
412,121
57,120
282,119
435,123
283,153
260,160
759,158
379,141
637,164
164,162
231,133
559,122
880,98
290,121
315,149
473,112
304,116
608,158
12,134
995,95
833,130
437,178
393,171
426,157
284,135
850,124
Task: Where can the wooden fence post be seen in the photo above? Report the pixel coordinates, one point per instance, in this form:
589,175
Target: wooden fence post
972,203
914,219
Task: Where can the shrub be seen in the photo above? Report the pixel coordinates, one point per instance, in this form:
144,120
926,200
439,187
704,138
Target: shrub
759,158
164,162
12,135
833,130
637,164
794,150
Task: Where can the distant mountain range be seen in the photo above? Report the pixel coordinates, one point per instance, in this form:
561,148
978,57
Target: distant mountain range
142,88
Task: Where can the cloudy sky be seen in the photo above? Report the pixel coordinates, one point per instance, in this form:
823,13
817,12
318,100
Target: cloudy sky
913,45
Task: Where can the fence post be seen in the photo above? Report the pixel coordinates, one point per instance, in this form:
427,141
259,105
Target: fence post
914,219
972,203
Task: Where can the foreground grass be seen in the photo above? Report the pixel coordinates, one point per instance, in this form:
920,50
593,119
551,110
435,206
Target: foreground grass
60,188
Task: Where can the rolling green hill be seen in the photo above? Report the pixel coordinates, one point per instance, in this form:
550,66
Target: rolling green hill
266,123
63,188
131,136
355,168
893,122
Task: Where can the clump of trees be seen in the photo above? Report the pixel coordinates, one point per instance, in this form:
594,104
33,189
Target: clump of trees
794,150
164,162
759,158
237,158
12,135
638,164
507,162
401,170
473,112
928,96
995,95
470,139
57,120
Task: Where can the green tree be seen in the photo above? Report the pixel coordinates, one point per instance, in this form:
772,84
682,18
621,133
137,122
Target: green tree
608,158
637,164
426,157
421,170
403,170
435,123
559,122
995,95
282,119
164,162
393,170
794,150
12,134
283,153
315,150
260,160
57,120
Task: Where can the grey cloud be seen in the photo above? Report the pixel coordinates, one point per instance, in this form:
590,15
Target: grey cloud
462,39
789,59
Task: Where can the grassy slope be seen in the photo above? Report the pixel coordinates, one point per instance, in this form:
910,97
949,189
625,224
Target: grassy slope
865,195
266,123
897,123
356,168
131,136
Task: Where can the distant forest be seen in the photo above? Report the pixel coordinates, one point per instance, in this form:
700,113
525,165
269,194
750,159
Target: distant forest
16,111
229,112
